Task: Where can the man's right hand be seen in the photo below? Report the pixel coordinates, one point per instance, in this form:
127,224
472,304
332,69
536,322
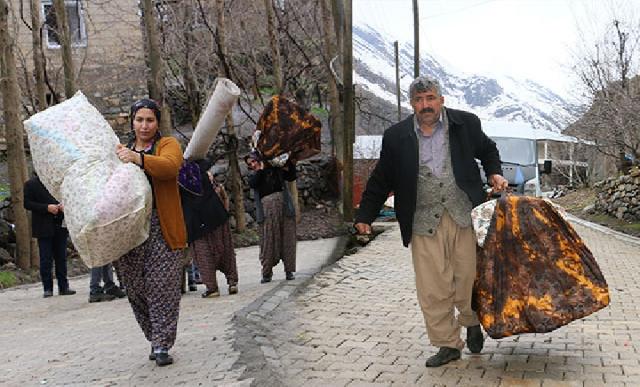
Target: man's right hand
53,208
363,228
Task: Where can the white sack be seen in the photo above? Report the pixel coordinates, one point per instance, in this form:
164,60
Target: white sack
107,203
220,103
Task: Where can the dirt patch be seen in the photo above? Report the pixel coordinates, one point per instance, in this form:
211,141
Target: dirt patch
578,203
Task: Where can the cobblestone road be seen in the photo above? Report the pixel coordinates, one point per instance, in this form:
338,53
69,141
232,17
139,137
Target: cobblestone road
355,323
67,341
358,324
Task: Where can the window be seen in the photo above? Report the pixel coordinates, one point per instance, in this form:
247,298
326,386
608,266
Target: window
75,19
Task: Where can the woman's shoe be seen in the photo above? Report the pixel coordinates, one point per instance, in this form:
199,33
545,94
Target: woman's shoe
289,276
233,289
264,280
163,359
211,293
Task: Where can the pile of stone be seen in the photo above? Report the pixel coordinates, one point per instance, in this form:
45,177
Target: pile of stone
7,235
314,182
619,196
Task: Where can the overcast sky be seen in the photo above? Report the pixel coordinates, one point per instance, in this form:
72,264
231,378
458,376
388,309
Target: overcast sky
533,39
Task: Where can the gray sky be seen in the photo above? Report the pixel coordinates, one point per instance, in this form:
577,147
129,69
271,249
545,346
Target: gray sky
533,39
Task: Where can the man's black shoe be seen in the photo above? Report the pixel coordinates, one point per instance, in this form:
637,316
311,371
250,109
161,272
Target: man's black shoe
264,280
163,359
289,276
48,293
475,339
444,356
66,292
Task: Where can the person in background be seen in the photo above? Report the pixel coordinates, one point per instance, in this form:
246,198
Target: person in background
275,213
109,291
208,229
47,226
429,161
152,272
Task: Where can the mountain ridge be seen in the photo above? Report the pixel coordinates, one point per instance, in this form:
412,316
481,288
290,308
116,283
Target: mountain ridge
491,98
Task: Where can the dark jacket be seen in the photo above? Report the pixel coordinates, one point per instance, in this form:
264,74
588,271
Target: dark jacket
397,168
205,212
270,180
36,200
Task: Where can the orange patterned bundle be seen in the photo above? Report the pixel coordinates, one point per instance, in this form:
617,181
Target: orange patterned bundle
534,272
286,127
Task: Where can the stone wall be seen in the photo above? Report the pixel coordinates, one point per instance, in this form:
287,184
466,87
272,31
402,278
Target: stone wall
619,196
314,183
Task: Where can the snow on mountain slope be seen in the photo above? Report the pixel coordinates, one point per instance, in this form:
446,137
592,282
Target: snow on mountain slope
502,98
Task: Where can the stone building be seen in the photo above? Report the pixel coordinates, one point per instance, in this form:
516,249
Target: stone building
108,53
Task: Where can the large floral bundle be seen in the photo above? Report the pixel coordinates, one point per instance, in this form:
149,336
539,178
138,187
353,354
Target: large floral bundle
535,274
107,203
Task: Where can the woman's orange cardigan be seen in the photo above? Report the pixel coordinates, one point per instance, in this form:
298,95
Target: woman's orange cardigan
163,167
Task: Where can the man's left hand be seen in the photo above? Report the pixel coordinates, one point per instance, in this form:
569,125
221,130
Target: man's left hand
498,183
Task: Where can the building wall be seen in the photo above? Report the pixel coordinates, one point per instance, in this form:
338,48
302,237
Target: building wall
110,68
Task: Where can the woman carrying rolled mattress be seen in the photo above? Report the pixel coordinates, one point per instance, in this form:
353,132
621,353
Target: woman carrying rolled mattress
152,271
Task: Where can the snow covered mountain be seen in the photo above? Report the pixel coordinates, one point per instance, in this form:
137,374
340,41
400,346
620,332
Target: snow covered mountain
504,99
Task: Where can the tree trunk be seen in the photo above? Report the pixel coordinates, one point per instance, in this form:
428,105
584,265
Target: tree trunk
278,83
349,114
191,89
232,144
275,47
38,55
64,36
15,139
335,116
156,73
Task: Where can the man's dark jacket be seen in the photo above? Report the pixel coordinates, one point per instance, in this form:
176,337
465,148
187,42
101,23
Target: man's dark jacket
397,168
36,200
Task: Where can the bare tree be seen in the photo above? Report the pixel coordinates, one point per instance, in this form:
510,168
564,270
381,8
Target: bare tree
608,71
15,139
274,44
38,54
156,64
232,150
330,58
64,36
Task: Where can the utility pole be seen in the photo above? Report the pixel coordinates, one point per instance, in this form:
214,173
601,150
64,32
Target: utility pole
349,113
416,40
397,55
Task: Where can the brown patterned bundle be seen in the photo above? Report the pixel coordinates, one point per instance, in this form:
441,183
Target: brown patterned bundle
534,272
286,127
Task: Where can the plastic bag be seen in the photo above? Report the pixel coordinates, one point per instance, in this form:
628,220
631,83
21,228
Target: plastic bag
107,203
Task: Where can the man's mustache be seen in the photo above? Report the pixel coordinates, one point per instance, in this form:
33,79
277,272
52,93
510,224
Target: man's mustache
427,110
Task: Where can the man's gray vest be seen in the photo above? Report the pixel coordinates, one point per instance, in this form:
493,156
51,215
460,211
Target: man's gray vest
436,194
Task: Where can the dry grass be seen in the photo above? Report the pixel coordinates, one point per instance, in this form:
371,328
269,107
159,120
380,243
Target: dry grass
575,202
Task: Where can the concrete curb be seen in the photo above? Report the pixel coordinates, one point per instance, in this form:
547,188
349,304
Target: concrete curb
254,342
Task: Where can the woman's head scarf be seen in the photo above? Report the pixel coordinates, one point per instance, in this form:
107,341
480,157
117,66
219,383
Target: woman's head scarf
145,103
